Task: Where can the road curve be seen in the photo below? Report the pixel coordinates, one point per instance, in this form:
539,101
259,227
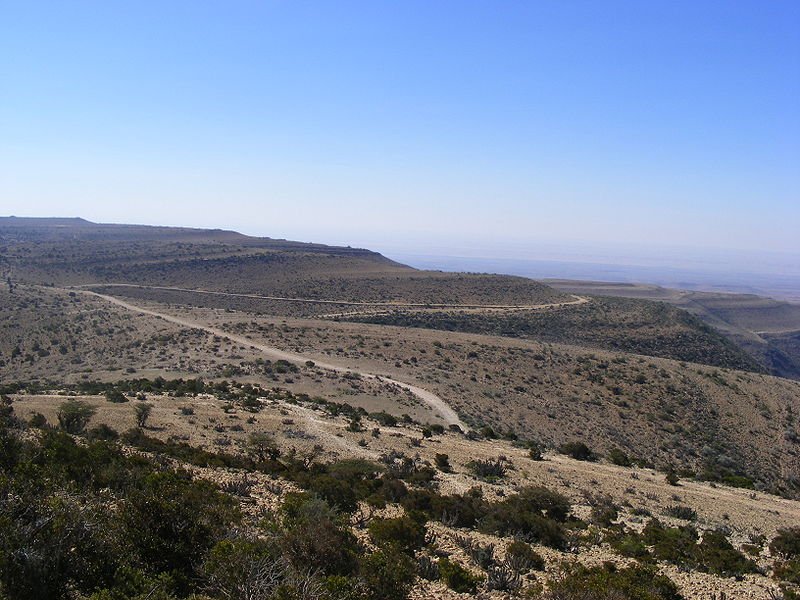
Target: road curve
432,400
577,299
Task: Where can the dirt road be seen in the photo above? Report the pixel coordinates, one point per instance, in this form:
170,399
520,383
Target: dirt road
577,299
430,399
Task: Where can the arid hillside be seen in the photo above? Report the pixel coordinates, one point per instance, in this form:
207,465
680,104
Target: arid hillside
713,423
767,329
286,405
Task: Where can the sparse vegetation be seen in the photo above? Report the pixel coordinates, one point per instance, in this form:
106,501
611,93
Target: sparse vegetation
260,477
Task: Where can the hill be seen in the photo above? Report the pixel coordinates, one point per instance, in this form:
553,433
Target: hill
767,329
199,412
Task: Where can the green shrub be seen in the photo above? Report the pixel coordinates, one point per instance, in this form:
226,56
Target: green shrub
102,433
387,574
672,477
787,543
535,451
115,396
384,418
488,469
457,577
604,511
671,544
261,447
172,518
487,432
404,533
522,558
338,587
58,539
717,555
619,458
37,420
142,412
788,571
607,582
678,511
337,493
629,545
313,534
535,514
242,568
443,463
578,451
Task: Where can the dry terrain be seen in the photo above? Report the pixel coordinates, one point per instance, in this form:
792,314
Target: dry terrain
767,329
452,384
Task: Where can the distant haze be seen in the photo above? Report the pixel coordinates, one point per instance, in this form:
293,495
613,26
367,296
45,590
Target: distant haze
774,274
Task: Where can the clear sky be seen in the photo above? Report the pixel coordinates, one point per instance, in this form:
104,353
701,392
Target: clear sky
644,122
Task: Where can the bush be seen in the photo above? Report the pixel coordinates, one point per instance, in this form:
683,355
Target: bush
671,544
314,535
607,582
443,463
718,556
488,469
619,458
242,568
337,493
115,396
102,433
172,518
787,543
604,511
457,577
37,420
384,418
387,575
681,512
58,538
788,571
261,447
577,450
629,545
672,477
74,415
535,451
502,578
403,533
522,558
536,514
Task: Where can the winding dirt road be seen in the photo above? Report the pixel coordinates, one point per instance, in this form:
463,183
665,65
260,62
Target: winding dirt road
577,299
432,400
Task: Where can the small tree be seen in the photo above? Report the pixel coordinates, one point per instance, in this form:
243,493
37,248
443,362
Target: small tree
142,412
74,415
261,446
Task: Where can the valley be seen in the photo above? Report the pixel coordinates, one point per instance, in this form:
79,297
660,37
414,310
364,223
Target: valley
599,426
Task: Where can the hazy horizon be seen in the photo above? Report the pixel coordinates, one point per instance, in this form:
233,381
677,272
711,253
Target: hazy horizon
768,273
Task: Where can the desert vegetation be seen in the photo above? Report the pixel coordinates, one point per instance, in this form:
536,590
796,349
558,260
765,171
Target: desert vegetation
620,449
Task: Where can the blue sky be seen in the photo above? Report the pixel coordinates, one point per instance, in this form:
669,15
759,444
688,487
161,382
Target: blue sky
644,123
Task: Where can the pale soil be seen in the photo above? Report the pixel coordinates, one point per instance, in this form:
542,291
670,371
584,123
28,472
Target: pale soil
299,427
178,348
548,392
444,411
534,389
